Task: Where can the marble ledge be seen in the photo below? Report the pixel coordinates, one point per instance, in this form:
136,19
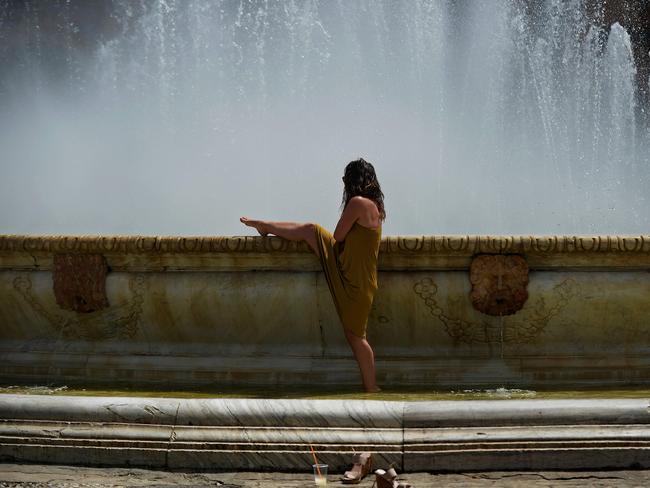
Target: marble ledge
244,253
462,244
417,436
110,431
532,412
451,436
411,437
364,414
204,412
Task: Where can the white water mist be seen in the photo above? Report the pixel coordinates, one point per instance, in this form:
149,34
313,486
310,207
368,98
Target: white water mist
183,115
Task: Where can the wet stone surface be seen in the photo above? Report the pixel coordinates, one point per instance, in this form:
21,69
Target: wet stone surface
36,476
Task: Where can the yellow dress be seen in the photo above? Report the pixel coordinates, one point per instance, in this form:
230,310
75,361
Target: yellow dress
350,269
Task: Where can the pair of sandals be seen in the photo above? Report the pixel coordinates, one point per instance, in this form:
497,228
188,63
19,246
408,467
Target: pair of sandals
362,464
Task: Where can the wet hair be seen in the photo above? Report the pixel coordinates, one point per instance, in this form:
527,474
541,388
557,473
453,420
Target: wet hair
360,179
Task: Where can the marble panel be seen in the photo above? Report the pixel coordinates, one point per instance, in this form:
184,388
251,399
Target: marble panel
85,430
291,413
421,438
279,434
89,409
576,313
556,459
525,412
83,455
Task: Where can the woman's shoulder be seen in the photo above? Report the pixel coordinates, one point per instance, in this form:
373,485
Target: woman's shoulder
363,202
367,211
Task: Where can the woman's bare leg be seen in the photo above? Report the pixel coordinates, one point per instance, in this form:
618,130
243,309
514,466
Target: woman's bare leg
293,231
365,359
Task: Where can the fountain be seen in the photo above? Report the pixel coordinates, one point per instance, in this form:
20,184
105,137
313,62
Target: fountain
133,135
514,117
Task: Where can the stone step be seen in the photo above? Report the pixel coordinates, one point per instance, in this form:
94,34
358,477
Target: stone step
245,434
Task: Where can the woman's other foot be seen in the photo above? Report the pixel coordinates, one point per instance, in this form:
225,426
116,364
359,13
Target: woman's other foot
258,225
374,389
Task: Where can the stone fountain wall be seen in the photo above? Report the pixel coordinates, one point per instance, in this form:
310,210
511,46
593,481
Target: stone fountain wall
190,311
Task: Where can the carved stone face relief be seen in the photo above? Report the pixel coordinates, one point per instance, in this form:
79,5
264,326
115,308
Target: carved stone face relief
498,283
80,282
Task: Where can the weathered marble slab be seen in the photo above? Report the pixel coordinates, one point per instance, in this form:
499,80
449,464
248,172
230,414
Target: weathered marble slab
526,412
524,459
450,437
89,409
271,434
205,412
291,413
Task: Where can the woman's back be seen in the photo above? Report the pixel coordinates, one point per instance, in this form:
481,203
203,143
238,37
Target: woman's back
359,258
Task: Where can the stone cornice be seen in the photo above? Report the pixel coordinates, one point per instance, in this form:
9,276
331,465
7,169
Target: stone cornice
147,244
465,244
204,253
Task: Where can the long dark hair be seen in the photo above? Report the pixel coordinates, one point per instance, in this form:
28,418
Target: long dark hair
360,180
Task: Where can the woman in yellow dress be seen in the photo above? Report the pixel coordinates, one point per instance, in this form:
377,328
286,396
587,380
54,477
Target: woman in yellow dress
348,257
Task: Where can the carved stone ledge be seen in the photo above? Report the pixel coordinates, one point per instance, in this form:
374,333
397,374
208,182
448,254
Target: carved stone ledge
242,253
148,245
235,434
391,244
515,244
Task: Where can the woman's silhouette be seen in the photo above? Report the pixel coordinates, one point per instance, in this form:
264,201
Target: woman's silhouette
348,257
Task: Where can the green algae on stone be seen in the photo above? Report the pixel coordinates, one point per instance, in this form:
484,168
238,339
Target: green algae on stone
409,395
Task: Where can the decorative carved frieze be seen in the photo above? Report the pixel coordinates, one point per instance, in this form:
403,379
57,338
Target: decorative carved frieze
121,320
498,283
80,282
389,245
242,253
526,327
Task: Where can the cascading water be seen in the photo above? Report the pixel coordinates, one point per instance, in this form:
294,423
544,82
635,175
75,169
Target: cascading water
177,117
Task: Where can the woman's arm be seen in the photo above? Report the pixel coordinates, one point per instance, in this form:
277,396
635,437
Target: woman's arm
352,211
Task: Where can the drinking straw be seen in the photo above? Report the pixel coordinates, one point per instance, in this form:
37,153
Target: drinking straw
315,460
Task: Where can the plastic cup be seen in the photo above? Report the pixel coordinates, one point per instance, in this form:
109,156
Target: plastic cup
320,474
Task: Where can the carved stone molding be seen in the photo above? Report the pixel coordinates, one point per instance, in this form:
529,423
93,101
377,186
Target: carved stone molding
515,244
79,282
465,245
248,253
120,321
531,322
498,283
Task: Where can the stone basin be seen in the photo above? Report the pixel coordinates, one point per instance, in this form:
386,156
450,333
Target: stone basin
250,311
251,314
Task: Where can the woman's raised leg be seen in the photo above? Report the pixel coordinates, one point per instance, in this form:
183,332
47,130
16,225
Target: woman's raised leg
293,231
365,359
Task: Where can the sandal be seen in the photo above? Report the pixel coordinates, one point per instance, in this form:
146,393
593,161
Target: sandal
362,464
388,479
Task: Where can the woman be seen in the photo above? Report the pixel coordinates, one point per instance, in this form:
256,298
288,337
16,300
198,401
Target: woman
348,257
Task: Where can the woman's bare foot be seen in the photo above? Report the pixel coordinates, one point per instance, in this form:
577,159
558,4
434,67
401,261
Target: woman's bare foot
376,389
258,225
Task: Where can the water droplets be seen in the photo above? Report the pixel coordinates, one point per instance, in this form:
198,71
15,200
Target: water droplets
469,109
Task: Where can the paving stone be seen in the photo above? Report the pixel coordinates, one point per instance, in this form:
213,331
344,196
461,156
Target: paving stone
37,476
